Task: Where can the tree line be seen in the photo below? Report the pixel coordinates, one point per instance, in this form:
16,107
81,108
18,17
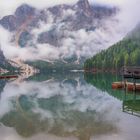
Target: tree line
123,53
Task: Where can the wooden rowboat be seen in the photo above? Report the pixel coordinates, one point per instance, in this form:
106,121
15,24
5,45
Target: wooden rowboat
8,76
129,86
117,85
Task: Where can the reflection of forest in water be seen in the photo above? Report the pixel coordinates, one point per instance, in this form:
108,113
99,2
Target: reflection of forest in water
62,105
131,100
2,85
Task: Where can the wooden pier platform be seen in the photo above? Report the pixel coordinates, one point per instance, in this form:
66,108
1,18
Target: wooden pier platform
128,73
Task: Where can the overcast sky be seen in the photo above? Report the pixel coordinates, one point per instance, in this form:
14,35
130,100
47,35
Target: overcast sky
129,15
130,8
8,6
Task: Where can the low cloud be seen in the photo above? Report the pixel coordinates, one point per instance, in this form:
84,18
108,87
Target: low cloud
129,16
81,43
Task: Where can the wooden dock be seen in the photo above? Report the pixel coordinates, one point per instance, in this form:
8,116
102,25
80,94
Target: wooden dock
128,73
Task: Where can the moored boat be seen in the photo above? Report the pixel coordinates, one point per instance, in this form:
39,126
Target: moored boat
117,85
128,85
8,76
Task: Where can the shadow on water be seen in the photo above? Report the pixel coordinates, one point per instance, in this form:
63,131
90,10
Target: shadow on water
131,100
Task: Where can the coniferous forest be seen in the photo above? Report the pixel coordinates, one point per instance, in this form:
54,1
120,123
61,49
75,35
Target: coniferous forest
123,53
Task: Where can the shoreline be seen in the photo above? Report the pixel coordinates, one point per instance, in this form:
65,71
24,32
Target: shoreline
102,71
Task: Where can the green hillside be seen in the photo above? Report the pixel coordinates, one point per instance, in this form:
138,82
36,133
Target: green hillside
4,64
123,53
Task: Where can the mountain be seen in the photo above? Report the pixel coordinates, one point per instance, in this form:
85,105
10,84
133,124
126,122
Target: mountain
62,29
123,53
84,14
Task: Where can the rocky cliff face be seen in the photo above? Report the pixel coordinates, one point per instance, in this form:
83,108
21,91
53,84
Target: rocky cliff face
56,25
21,15
26,13
85,7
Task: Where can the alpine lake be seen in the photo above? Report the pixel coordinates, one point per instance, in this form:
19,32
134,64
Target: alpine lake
68,106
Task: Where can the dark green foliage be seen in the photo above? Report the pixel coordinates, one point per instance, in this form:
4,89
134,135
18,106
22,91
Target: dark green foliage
4,64
123,53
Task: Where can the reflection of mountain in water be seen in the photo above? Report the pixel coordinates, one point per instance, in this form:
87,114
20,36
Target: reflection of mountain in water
62,107
64,75
63,121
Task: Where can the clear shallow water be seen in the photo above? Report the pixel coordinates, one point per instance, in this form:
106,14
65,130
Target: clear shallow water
72,107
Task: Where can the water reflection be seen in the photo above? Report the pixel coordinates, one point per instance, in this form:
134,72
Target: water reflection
132,106
131,100
58,105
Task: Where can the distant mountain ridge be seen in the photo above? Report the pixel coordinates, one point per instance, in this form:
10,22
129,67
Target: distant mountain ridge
60,25
26,12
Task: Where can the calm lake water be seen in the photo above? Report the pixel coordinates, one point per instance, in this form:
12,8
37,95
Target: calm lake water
68,107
